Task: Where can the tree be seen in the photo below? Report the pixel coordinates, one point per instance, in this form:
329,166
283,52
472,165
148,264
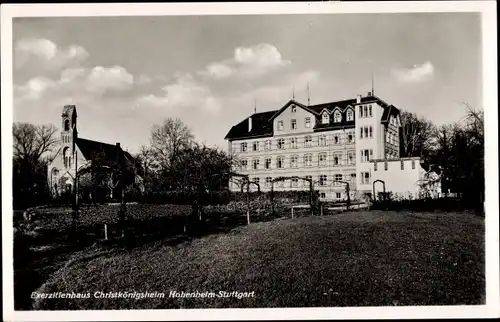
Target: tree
199,171
31,145
167,140
416,135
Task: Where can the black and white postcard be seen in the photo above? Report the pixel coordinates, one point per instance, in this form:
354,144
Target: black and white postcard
249,161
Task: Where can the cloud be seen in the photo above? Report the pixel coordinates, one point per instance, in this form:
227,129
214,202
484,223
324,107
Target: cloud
76,81
116,78
418,73
45,54
184,92
250,62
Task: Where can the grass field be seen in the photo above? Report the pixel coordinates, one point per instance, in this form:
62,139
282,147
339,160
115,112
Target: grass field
349,259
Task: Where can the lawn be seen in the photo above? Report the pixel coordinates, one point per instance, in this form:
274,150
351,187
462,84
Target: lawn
349,259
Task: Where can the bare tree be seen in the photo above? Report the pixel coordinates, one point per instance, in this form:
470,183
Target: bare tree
31,145
32,142
167,140
417,134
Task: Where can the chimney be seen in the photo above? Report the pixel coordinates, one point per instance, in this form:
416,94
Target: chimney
369,94
118,145
358,99
250,124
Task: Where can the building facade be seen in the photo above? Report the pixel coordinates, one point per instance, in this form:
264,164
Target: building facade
333,144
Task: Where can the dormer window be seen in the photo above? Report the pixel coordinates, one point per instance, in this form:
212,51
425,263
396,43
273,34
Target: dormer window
325,118
337,117
350,115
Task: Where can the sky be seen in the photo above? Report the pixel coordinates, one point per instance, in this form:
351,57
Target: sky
125,74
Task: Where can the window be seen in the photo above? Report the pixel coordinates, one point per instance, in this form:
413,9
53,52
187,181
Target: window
371,132
351,158
281,144
322,195
365,177
308,141
280,162
325,118
294,124
244,164
294,160
255,146
337,159
66,125
308,122
366,155
322,159
294,108
402,165
267,163
337,117
353,175
361,133
295,183
374,166
336,139
256,180
281,184
267,145
366,132
365,111
338,177
66,157
413,164
308,160
350,138
269,181
280,125
309,178
370,110
386,165
323,180
361,111
387,137
243,147
322,140
338,195
293,143
256,164
350,115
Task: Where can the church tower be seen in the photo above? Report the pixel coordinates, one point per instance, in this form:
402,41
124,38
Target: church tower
68,134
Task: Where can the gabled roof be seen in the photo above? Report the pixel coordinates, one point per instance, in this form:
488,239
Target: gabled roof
110,152
262,125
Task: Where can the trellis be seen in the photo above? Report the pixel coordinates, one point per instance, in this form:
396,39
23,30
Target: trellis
284,178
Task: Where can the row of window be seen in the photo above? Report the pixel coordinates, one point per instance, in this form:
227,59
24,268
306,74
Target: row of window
293,124
337,116
66,139
293,142
391,138
295,182
307,161
386,166
365,111
367,131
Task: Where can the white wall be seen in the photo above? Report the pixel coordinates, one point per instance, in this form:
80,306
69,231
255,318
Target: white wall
398,181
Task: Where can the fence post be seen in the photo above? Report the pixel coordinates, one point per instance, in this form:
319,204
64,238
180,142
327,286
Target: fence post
106,231
292,212
321,213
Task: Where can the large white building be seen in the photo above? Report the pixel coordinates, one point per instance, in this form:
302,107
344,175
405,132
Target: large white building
328,143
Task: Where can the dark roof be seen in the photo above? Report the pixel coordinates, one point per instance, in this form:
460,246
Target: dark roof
262,125
69,109
110,152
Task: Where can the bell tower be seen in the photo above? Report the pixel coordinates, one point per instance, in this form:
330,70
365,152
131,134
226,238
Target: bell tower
68,133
